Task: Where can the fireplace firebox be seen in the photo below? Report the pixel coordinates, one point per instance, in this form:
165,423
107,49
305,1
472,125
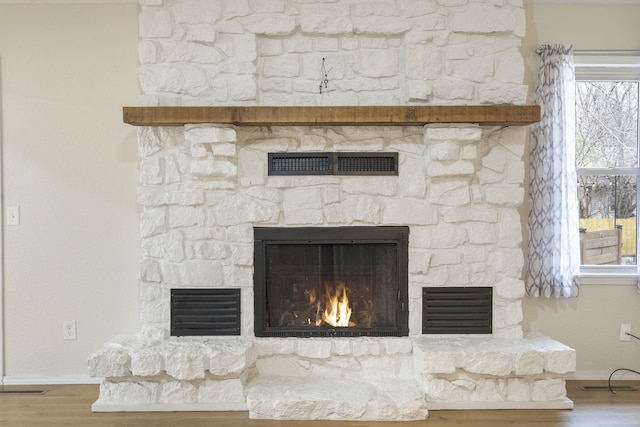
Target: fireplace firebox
331,281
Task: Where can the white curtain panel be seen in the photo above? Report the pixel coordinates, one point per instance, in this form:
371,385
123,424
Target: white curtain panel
554,239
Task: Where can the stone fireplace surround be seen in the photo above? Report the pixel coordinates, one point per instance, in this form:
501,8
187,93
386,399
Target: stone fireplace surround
204,188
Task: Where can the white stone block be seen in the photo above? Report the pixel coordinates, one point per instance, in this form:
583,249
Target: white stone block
423,62
129,393
154,23
186,216
484,18
109,362
285,366
327,20
341,347
496,159
419,90
510,288
156,311
376,63
518,390
443,151
489,390
150,270
240,209
481,233
379,186
508,261
203,134
419,262
153,221
456,168
242,88
381,25
510,68
441,390
227,391
166,246
151,171
504,195
281,66
273,346
198,273
252,168
548,390
178,392
415,8
452,133
488,362
365,347
184,363
196,11
429,361
409,212
280,25
529,363
501,93
397,346
354,209
209,250
449,89
314,348
187,79
451,191
146,362
302,206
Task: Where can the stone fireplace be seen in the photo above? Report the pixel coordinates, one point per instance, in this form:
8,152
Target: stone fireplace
207,198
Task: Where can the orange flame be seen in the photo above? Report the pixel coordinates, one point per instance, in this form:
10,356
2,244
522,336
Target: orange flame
338,311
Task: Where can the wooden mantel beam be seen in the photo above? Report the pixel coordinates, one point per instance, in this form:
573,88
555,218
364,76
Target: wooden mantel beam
501,115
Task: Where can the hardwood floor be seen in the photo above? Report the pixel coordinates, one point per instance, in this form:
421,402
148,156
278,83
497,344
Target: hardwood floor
70,405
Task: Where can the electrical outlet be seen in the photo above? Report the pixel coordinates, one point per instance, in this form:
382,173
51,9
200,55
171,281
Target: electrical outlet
69,329
13,215
625,329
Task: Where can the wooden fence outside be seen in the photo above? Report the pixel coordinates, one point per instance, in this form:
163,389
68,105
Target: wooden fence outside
628,231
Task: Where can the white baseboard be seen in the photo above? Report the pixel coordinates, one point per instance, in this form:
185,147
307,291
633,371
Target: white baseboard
61,379
602,376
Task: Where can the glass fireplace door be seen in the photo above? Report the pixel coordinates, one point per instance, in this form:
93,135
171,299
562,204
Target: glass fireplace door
325,288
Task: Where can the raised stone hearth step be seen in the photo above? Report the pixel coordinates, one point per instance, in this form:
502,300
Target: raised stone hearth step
313,398
494,373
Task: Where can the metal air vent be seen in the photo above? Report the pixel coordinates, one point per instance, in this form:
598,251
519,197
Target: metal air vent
457,310
358,163
199,312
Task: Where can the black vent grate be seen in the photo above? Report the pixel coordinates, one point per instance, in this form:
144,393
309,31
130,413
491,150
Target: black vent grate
300,164
373,163
199,312
333,163
457,310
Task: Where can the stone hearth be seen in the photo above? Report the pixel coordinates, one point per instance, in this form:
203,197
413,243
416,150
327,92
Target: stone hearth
204,187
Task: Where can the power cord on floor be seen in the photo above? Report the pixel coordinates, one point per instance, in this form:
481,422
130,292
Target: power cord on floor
622,369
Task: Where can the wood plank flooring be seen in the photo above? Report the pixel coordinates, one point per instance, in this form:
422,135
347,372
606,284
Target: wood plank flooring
70,405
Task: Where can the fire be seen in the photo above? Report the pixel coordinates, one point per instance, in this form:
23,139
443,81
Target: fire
337,312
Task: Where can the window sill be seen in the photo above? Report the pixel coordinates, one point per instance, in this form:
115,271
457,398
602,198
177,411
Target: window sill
598,275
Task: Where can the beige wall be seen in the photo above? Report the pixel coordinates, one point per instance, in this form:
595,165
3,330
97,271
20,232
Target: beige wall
71,165
591,322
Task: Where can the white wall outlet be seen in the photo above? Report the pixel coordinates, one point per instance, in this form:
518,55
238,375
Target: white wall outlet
13,215
625,329
69,329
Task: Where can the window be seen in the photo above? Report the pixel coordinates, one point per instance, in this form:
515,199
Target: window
607,141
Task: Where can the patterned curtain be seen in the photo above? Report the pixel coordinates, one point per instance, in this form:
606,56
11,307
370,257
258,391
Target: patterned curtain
554,240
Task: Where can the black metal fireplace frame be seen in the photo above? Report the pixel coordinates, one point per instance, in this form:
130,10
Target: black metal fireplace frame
263,236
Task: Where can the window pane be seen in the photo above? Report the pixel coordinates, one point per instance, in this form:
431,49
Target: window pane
607,219
607,124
